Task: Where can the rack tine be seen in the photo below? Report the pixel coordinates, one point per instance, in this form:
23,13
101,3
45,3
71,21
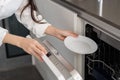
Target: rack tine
105,65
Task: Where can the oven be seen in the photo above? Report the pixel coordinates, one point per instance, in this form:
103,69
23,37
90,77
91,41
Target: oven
104,64
11,56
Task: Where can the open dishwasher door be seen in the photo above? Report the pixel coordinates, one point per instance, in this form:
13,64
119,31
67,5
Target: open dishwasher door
61,68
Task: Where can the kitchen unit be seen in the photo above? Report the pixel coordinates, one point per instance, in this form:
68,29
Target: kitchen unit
96,19
63,19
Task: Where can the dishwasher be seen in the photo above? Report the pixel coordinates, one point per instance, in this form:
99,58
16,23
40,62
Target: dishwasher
104,64
59,66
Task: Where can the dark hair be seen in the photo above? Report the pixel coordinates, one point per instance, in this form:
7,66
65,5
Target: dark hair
33,8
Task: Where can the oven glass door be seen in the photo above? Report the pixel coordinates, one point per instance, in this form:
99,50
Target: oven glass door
12,56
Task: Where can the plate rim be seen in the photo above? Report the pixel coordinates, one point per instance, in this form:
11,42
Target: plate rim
83,37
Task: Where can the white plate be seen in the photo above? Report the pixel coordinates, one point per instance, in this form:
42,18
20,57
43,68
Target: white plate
80,45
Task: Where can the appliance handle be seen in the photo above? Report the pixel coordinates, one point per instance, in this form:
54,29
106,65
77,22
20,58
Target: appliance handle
53,68
75,75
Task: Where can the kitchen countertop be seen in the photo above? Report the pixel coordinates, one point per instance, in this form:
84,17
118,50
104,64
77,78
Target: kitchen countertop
105,14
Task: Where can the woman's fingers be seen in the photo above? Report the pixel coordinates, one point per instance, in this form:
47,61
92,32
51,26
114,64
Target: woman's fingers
37,53
38,50
41,48
38,56
62,34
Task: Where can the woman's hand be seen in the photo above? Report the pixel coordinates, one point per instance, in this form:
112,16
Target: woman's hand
29,45
60,34
32,47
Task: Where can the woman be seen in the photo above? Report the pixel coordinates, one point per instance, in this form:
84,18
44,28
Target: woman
26,13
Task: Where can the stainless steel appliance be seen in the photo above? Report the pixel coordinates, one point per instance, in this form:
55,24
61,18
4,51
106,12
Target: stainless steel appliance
59,66
104,64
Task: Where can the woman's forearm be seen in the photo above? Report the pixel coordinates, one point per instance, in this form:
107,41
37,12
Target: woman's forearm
29,45
12,39
51,31
59,33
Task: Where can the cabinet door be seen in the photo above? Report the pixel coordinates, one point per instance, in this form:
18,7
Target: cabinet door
61,18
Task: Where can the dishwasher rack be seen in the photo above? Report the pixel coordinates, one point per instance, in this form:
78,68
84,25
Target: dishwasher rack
104,64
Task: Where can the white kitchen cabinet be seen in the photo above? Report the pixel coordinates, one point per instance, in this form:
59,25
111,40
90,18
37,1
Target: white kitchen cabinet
62,18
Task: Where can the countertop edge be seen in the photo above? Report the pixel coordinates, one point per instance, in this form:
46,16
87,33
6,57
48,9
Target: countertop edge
110,28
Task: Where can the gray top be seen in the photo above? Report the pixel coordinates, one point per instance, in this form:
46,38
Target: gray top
107,9
105,14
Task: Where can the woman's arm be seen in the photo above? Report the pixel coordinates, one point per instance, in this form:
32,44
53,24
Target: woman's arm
40,29
29,45
29,23
59,33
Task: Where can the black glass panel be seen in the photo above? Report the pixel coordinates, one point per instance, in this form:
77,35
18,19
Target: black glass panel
15,28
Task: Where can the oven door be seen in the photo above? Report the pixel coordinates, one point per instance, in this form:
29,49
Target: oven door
12,56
